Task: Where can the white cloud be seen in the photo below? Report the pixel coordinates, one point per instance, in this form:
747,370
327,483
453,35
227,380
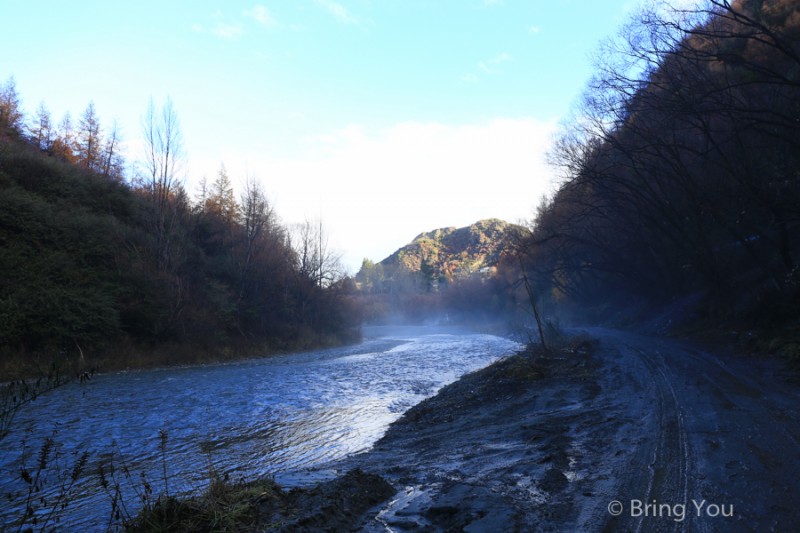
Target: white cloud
261,15
338,11
488,66
492,2
227,30
376,189
534,29
231,28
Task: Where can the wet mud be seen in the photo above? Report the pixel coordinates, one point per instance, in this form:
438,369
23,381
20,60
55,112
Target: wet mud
636,434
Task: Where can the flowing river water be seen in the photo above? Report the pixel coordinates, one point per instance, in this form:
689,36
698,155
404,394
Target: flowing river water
278,416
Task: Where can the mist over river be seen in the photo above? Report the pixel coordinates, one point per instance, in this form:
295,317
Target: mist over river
275,416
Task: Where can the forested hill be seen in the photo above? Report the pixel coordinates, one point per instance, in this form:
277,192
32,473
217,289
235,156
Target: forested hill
455,252
97,267
454,274
681,175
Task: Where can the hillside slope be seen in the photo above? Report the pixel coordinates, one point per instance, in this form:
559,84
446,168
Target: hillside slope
456,253
96,269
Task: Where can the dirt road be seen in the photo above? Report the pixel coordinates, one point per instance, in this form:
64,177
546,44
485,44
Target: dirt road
645,434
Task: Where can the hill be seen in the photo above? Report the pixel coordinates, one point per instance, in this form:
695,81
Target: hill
455,253
451,274
682,179
116,273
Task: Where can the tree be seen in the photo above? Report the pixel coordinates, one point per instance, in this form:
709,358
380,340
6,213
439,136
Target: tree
256,213
64,144
89,140
221,201
41,130
257,219
317,260
163,160
113,163
681,169
261,236
11,116
371,276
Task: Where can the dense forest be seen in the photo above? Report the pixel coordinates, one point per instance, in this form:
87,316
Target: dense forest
107,261
681,169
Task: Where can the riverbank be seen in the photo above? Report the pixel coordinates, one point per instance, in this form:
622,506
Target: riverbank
494,451
575,440
486,415
570,440
129,356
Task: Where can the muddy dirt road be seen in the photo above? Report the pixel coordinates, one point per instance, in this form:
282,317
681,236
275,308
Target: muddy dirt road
710,442
644,434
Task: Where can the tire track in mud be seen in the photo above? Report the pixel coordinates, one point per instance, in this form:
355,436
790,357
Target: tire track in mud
656,470
717,432
643,419
669,469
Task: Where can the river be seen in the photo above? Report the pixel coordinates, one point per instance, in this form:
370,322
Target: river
284,416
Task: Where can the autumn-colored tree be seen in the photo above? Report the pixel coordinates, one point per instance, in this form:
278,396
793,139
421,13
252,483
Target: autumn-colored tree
221,201
91,261
64,144
11,117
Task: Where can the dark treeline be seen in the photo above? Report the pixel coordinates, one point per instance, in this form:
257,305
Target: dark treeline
682,168
98,263
395,293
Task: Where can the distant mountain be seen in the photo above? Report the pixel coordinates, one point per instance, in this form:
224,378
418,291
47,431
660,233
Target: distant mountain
455,252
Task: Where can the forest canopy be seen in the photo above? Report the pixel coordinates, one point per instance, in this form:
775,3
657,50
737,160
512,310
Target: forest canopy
681,167
98,255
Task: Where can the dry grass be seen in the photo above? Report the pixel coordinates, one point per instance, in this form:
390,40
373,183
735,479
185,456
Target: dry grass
224,506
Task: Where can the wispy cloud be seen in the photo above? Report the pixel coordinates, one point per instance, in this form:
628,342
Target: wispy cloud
487,67
227,30
261,15
490,65
492,2
338,11
226,27
534,29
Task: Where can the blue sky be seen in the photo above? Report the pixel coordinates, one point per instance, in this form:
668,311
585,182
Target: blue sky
384,117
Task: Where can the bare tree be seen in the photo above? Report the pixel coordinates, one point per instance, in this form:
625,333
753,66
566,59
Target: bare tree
257,219
41,129
317,260
255,212
163,161
112,161
678,170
